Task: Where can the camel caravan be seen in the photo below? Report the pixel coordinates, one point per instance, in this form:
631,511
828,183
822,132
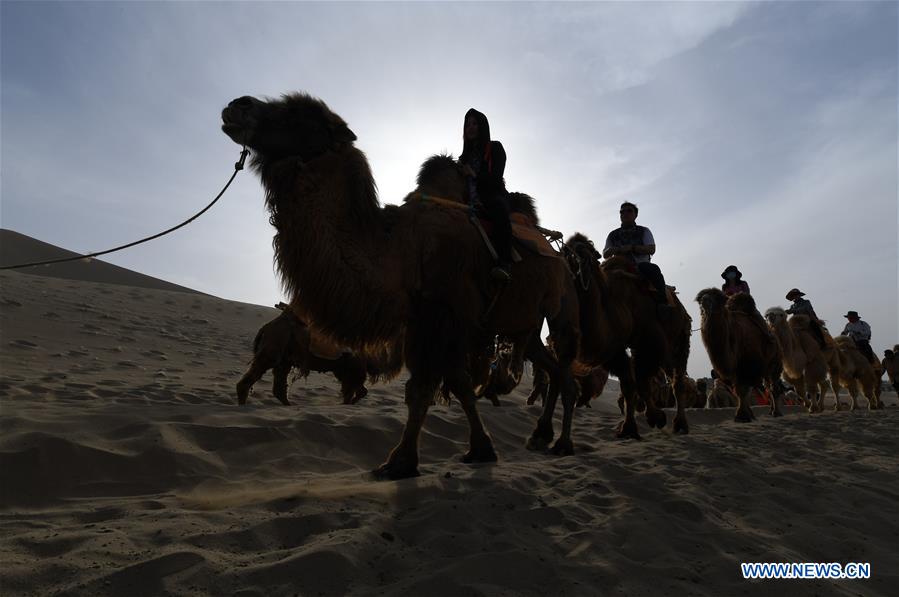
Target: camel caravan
455,284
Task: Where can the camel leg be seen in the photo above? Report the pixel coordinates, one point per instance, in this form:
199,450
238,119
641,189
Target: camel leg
680,419
853,393
822,394
480,445
541,384
776,396
361,393
490,395
279,382
564,446
836,394
744,401
254,373
655,416
621,367
403,459
871,394
542,358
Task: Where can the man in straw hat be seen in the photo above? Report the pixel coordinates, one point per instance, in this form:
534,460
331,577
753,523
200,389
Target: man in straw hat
859,331
803,306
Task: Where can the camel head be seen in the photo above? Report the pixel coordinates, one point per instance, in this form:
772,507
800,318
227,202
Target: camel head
581,255
442,176
297,125
711,300
775,315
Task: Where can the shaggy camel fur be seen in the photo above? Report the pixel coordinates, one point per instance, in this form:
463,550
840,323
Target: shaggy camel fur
855,372
741,348
722,396
287,342
619,313
363,273
804,363
890,365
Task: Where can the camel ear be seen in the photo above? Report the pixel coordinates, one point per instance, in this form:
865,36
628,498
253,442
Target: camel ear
343,134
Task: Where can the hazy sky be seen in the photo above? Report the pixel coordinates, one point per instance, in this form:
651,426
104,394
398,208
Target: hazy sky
760,134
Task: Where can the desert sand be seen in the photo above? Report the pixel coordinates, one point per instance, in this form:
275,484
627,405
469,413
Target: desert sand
129,469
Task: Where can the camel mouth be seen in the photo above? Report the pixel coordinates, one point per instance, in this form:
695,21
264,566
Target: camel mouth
236,132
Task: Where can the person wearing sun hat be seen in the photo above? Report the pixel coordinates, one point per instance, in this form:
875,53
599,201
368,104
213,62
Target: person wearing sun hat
800,305
733,281
859,331
803,306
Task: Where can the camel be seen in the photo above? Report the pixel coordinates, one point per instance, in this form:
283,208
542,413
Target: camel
890,365
617,313
722,396
853,373
804,362
287,342
591,382
702,392
693,398
741,348
365,273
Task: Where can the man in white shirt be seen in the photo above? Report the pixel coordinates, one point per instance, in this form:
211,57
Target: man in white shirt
859,331
637,244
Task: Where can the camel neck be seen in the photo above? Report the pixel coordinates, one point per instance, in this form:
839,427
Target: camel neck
331,247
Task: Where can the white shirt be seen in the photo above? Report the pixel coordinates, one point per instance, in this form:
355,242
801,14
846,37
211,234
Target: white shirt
858,331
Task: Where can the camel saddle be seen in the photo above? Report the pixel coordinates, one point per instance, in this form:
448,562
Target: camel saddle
527,234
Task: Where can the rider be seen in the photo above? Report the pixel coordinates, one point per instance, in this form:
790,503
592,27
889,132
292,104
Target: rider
803,306
859,331
733,281
637,244
485,162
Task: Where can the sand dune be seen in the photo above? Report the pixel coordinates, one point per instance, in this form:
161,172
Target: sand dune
128,469
17,248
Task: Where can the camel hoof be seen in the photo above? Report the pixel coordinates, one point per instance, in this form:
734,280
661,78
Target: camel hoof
681,426
482,453
394,471
742,417
628,431
656,418
776,413
562,447
538,443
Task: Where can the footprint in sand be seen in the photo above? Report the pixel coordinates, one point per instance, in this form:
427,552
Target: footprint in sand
127,365
23,344
11,303
51,315
106,393
77,353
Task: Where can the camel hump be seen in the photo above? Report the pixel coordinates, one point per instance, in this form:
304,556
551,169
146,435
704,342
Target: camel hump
524,207
845,342
800,322
742,302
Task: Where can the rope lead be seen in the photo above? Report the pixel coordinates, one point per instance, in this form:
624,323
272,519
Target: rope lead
238,166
